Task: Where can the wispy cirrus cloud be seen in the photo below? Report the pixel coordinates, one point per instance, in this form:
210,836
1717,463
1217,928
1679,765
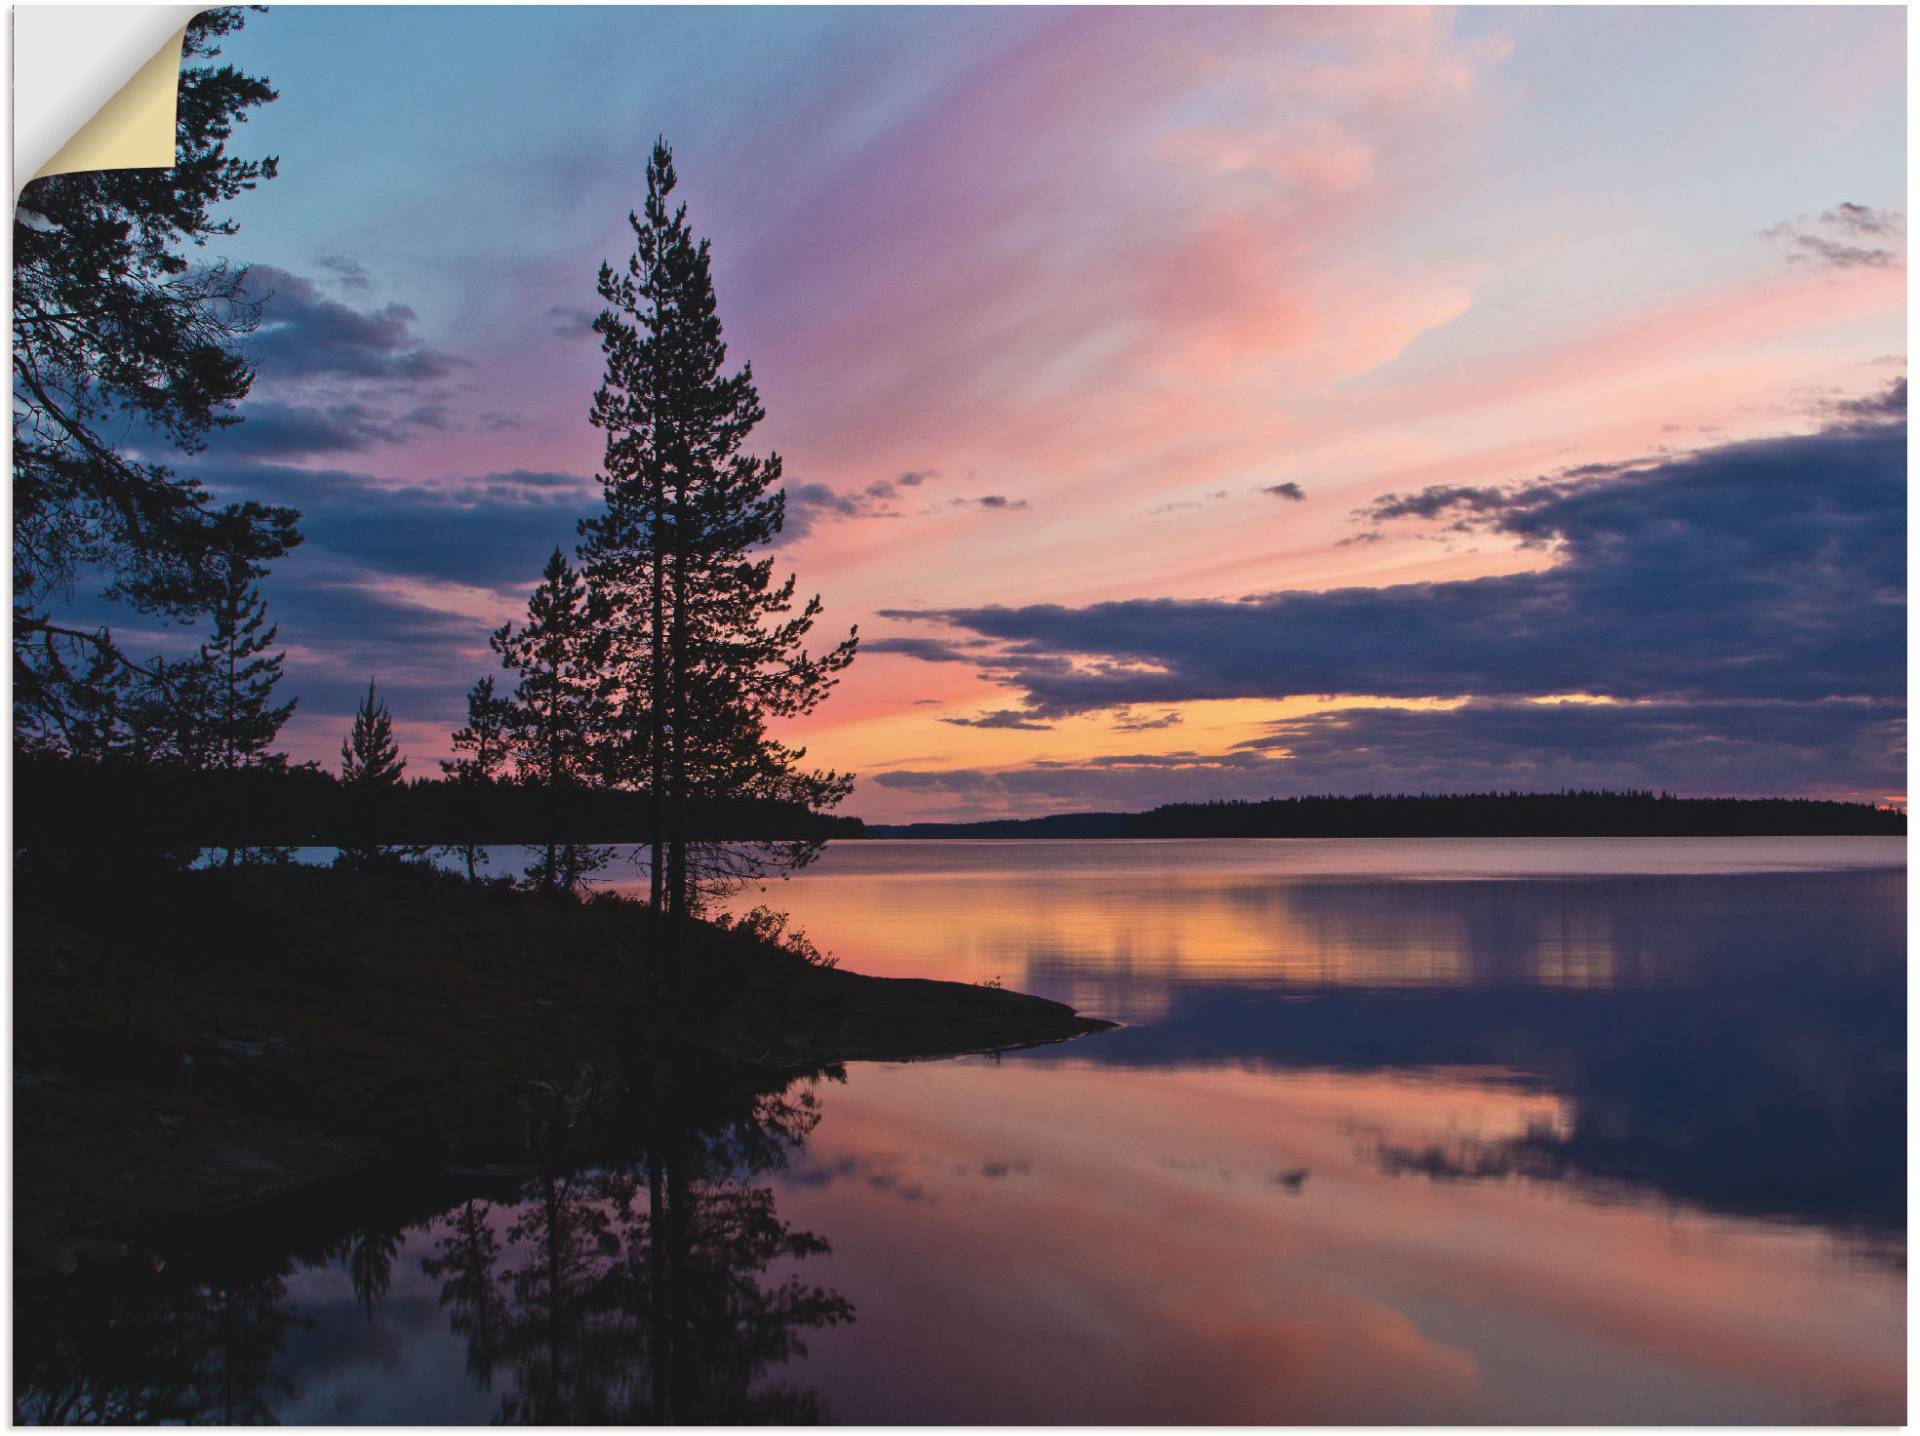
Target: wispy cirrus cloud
1741,609
992,503
348,274
1848,236
1001,718
1738,748
809,505
1109,264
570,321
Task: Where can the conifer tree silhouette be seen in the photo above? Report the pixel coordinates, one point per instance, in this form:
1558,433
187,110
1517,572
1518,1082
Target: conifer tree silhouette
370,773
244,719
554,720
705,648
480,751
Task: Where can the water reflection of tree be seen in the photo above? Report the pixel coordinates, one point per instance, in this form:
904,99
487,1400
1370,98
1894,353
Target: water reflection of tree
368,1254
463,1263
152,1351
639,1292
618,1292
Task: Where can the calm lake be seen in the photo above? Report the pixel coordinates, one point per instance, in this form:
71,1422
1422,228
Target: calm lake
1396,1131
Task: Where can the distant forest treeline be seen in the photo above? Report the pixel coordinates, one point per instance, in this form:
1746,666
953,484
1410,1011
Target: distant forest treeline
69,804
1451,815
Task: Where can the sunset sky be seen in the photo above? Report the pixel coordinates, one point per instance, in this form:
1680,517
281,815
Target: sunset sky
1184,403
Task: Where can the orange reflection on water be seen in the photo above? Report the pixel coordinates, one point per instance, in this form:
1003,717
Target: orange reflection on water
1109,1245
1108,931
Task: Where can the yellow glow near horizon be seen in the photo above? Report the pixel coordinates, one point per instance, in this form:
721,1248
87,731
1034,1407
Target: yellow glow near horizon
918,738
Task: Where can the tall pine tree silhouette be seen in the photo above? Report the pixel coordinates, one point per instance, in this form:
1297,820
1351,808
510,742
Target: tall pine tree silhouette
704,646
555,718
238,676
370,775
480,751
243,720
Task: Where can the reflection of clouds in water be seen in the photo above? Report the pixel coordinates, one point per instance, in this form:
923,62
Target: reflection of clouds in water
1760,1087
1156,1194
404,1367
1614,1149
1108,942
892,1173
1729,1040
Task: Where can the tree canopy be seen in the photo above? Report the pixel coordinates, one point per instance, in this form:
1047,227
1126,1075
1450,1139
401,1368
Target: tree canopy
124,355
705,646
554,722
370,770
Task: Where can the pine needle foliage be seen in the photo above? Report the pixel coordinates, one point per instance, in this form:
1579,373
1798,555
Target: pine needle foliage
119,331
706,649
371,770
554,722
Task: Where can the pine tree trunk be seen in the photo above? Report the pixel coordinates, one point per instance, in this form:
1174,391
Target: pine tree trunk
227,744
677,877
657,747
552,876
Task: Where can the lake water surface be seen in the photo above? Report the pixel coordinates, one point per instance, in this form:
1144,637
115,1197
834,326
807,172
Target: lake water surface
1395,1131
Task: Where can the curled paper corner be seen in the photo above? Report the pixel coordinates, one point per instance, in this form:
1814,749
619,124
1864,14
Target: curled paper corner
95,87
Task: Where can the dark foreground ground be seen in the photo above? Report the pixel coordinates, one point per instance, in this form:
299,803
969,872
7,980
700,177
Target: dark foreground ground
216,1038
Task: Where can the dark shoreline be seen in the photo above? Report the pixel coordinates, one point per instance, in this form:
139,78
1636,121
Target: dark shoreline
233,1038
1460,815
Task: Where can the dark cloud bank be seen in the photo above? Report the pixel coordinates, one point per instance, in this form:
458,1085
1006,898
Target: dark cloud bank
333,378
341,597
336,379
1746,604
303,332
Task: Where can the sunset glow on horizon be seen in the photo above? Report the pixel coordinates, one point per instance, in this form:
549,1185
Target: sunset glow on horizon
1184,403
